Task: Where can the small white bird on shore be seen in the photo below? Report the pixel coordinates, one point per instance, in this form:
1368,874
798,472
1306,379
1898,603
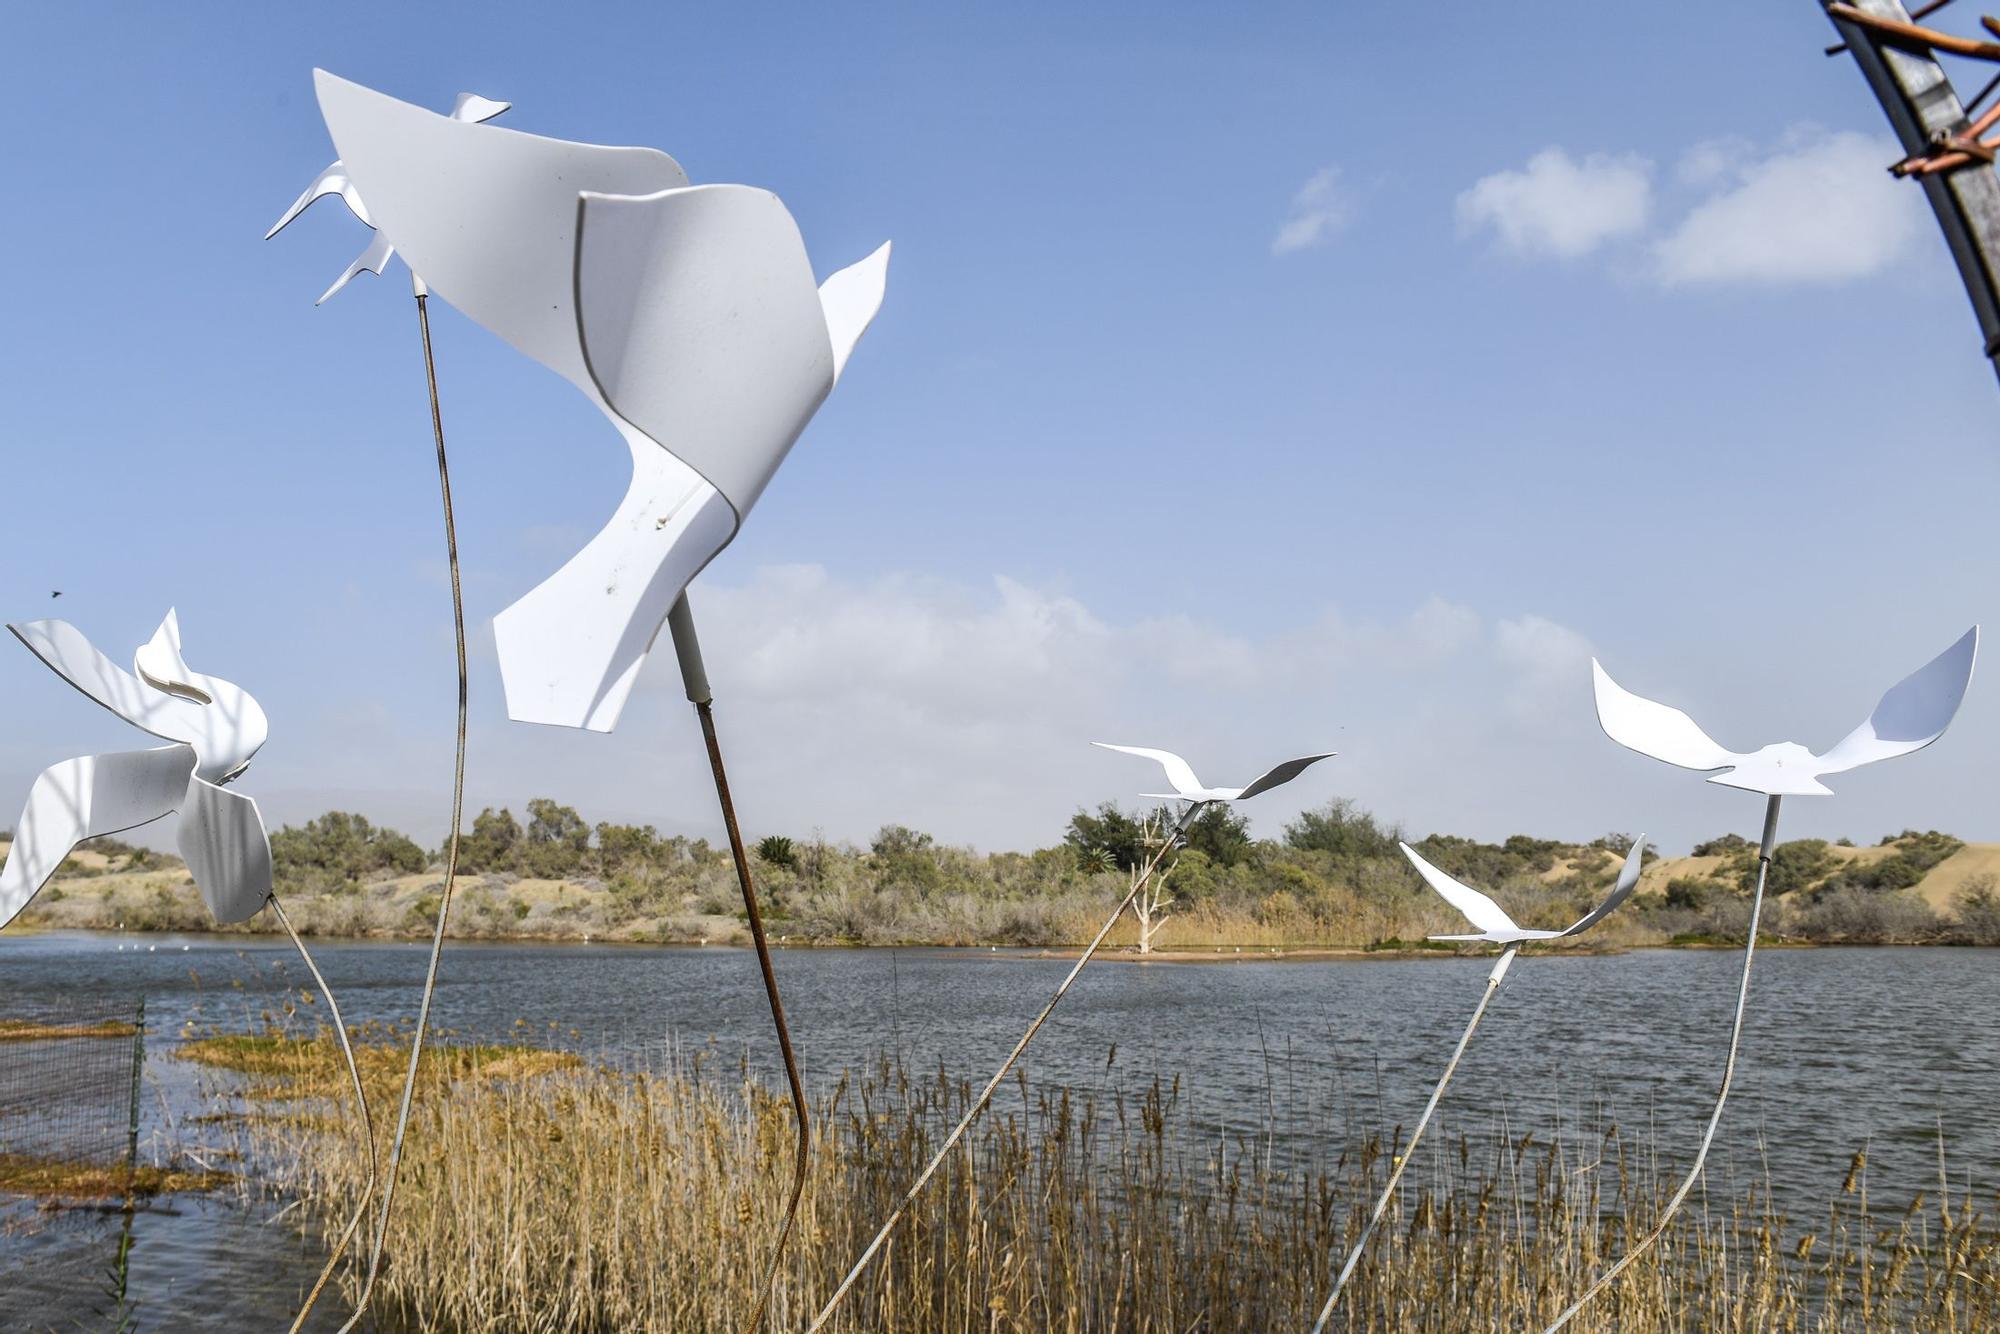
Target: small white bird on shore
1492,920
1189,788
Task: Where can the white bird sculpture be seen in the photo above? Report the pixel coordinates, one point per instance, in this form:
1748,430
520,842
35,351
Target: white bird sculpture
1914,713
1495,926
1498,928
690,317
470,108
216,728
1189,788
687,314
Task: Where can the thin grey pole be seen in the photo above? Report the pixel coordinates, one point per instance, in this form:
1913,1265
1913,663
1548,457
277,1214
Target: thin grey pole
457,820
986,1094
138,1073
360,1101
1493,980
1764,850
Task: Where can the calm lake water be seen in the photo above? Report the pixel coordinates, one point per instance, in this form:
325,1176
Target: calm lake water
1845,1049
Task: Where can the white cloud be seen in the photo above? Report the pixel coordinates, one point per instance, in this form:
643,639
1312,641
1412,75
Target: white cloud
1558,206
1817,208
1318,211
1547,660
965,709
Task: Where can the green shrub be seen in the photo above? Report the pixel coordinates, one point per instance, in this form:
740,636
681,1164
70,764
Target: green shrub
337,851
1343,829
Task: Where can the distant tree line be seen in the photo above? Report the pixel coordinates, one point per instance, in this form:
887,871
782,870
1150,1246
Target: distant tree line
1334,875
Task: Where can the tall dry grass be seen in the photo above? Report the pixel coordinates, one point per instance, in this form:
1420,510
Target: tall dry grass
546,1194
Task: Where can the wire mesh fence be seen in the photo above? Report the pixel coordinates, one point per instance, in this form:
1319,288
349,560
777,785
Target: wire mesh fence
69,1078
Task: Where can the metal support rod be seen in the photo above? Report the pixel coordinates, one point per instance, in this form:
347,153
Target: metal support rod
986,1094
1764,850
1493,980
138,1073
457,819
694,676
360,1101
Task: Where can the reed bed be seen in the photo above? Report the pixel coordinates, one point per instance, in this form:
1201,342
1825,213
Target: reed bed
546,1193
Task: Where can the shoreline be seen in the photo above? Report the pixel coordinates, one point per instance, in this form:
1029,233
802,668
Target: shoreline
1125,954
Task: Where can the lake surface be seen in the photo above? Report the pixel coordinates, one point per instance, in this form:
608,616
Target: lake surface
1845,1049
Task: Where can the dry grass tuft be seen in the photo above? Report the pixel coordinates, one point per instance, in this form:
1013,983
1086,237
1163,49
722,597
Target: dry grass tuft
29,1030
544,1193
61,1182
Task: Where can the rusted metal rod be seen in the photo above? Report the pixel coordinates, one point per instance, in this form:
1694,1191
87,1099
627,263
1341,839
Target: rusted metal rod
1925,112
1921,11
1914,36
694,676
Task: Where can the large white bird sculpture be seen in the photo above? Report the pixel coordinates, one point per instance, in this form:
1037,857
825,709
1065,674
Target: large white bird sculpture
1914,713
1495,926
687,314
1180,774
470,108
215,728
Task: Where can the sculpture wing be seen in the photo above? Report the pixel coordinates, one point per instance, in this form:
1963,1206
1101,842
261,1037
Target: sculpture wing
702,327
1280,774
161,666
83,798
76,660
1179,772
225,725
1914,713
332,181
1628,880
850,300
473,107
1479,910
487,215
222,840
1654,729
373,259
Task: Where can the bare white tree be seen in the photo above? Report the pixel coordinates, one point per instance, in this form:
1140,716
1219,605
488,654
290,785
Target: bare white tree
1150,900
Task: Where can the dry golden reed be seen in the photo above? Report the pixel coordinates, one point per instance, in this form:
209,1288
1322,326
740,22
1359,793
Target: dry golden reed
545,1193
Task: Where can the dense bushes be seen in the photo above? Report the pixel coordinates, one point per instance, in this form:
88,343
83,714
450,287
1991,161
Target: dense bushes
1336,878
339,851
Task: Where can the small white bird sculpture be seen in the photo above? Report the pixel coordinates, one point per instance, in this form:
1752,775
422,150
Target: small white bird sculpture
1913,714
1189,788
216,727
1492,920
470,108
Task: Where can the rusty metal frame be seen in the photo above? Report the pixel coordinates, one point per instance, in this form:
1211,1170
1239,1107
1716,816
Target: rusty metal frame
1924,109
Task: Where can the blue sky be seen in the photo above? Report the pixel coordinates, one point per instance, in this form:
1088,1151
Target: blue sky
1250,381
